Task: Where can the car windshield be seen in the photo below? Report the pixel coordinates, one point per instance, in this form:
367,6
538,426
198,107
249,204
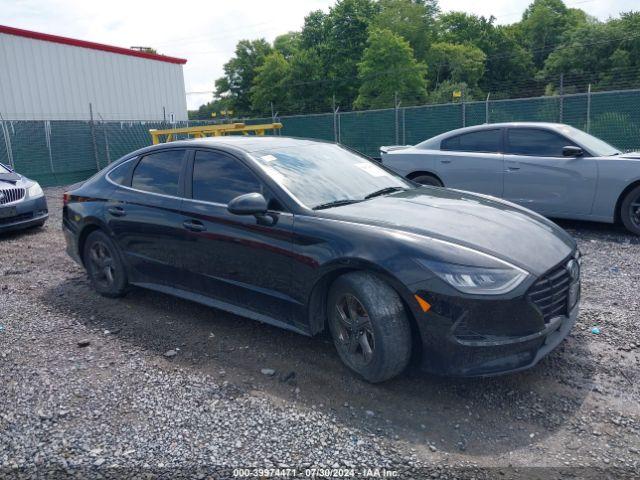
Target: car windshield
320,174
595,146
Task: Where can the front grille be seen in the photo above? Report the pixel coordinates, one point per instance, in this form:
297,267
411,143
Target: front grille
10,195
17,218
551,293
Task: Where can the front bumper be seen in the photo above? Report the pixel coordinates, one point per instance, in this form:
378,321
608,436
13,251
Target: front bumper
28,213
519,340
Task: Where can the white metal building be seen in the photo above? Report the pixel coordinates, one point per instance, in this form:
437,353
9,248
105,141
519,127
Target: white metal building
47,77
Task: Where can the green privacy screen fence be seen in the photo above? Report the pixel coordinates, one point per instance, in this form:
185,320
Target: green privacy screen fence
62,152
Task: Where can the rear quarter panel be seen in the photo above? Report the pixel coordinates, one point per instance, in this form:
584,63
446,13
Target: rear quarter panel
405,162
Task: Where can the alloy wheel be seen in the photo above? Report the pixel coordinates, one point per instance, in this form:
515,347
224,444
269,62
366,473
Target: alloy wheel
354,331
634,212
101,264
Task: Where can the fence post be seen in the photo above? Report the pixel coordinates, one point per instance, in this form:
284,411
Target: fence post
589,108
7,141
396,106
561,96
93,136
464,109
486,109
47,140
336,120
404,129
106,138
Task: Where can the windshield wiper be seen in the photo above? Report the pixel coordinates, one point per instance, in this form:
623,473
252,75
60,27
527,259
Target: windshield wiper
335,203
383,191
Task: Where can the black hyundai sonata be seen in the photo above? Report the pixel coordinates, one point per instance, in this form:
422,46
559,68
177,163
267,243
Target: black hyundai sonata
308,235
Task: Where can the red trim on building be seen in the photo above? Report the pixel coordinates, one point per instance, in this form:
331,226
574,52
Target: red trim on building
91,45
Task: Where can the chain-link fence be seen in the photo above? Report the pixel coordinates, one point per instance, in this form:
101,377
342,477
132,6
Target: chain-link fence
62,152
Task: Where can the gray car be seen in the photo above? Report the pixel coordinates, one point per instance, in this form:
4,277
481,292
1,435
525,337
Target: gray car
553,169
22,202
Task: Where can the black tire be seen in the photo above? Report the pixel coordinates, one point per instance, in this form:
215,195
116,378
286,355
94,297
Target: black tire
630,211
427,180
104,265
379,347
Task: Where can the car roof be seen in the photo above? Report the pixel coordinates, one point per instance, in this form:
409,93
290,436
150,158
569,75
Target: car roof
433,141
247,143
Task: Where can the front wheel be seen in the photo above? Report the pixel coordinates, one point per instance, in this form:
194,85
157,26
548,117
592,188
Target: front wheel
630,211
427,180
104,266
369,326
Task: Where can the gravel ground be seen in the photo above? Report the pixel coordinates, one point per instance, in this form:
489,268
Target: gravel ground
153,386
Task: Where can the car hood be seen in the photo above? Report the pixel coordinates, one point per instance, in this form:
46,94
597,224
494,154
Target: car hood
479,222
630,155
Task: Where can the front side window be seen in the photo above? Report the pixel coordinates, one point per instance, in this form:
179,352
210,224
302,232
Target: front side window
535,142
159,172
319,173
219,178
484,141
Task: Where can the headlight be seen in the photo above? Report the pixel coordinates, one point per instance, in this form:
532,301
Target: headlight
35,190
478,280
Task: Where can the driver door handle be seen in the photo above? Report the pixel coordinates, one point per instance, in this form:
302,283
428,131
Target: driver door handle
194,225
117,211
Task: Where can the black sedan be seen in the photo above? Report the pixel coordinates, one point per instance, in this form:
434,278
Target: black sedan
308,235
22,203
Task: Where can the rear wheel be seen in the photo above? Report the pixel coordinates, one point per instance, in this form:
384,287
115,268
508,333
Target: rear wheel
427,180
369,326
630,211
104,266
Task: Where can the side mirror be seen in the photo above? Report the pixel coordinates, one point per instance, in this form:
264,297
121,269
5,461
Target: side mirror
248,204
571,151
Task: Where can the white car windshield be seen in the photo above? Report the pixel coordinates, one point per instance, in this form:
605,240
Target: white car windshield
595,146
321,173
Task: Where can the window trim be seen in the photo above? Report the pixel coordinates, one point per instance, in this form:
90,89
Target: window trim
501,144
547,130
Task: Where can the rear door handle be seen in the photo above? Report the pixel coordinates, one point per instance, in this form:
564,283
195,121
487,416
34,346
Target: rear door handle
194,226
512,167
117,211
445,161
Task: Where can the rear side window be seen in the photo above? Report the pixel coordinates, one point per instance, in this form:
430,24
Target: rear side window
120,174
533,141
159,172
219,178
485,141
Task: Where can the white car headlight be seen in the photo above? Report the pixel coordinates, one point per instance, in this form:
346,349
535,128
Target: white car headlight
478,280
35,190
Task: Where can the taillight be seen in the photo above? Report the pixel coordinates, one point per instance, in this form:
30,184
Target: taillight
65,198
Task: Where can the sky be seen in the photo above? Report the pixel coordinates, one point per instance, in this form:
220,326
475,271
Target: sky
205,32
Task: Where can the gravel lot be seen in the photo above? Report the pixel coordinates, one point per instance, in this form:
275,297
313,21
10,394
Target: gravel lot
119,406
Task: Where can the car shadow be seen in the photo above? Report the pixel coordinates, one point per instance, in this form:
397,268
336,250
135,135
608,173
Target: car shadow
466,416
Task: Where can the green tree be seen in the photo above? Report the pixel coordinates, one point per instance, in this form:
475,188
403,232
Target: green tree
270,84
288,44
508,65
456,63
239,73
389,67
544,24
415,21
309,90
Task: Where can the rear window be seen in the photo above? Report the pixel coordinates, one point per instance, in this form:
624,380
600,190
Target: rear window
485,141
159,172
121,173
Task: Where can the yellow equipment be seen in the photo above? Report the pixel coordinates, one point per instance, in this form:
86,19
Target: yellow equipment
212,131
